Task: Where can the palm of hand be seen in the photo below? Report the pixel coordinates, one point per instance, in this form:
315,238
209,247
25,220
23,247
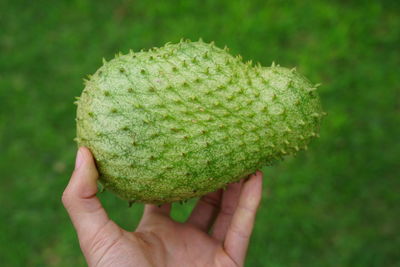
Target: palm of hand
166,242
216,233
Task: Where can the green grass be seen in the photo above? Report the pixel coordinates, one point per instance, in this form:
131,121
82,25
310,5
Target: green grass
334,205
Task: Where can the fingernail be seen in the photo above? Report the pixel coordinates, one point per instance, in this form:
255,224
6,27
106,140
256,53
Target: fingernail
79,158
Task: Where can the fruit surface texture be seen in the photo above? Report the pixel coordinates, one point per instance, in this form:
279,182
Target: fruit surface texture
186,119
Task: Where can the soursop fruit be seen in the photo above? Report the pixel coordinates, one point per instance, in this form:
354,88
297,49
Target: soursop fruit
186,119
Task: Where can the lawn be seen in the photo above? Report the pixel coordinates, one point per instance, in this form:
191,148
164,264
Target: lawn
335,205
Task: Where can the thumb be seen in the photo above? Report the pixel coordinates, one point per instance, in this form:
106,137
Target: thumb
79,197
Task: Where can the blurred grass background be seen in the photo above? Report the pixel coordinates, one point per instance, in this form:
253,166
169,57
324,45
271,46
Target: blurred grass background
335,205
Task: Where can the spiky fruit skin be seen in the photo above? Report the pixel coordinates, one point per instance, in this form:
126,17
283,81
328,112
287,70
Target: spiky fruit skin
186,119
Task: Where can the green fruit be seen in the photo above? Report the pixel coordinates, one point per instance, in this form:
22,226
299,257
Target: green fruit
186,119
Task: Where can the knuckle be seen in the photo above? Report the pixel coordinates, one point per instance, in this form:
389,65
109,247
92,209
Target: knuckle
66,198
211,201
228,209
240,232
249,209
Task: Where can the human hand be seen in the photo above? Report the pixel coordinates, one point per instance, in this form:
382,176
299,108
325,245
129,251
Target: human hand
216,233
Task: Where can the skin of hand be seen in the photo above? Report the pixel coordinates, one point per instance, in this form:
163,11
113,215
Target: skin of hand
216,233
